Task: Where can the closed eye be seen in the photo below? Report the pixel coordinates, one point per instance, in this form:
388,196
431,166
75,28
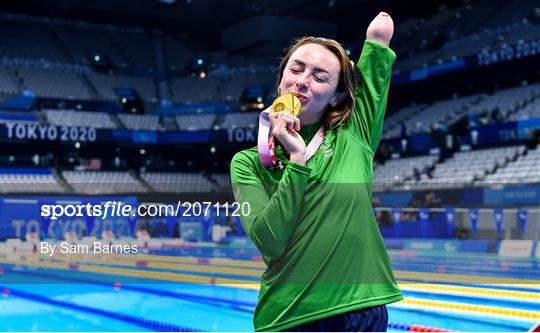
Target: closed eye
319,79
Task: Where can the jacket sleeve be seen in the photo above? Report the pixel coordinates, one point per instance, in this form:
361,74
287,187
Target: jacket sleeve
272,217
375,67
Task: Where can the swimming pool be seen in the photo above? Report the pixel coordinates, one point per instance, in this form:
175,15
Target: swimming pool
151,292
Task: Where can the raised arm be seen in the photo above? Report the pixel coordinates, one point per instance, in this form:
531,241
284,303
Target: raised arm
375,67
381,29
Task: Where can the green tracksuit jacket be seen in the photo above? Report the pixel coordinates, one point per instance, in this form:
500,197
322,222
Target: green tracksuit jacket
314,224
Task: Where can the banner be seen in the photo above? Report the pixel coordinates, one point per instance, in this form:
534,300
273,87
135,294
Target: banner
23,132
514,131
516,248
450,220
512,196
473,214
498,218
433,245
506,52
239,229
508,196
36,132
396,216
423,219
21,215
522,215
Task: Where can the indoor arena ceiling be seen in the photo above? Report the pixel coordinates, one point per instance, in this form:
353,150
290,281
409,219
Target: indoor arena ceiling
204,19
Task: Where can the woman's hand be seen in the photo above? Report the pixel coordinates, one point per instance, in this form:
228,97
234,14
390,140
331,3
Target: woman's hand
381,29
285,128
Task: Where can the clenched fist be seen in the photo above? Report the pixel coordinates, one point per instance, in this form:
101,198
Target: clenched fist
285,128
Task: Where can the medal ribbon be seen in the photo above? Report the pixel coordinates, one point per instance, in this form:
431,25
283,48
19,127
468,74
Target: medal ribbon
266,144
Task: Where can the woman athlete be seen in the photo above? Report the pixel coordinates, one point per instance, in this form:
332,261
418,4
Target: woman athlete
312,220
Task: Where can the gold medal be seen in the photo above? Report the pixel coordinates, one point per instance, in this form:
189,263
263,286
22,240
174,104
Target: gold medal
288,103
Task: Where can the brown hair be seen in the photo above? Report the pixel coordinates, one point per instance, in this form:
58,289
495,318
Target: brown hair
334,116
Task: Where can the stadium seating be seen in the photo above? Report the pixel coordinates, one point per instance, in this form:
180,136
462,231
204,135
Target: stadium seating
396,171
141,122
392,124
525,169
195,89
79,118
506,101
177,182
18,182
236,83
510,103
105,84
176,53
7,86
136,45
83,40
531,110
54,82
27,37
234,120
53,58
424,119
103,182
464,31
513,11
195,122
222,182
465,167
